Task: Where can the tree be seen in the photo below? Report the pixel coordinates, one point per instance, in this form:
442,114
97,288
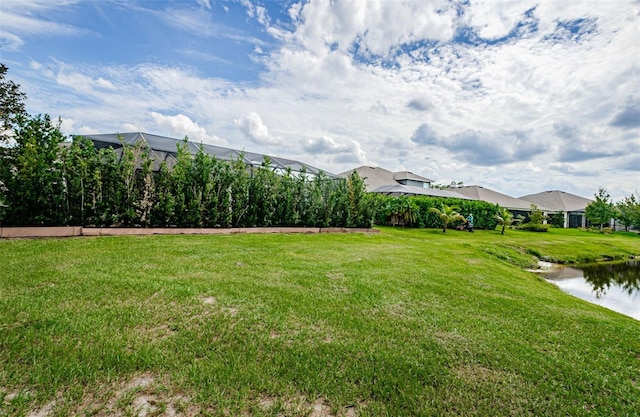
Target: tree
628,211
504,218
536,216
600,211
35,182
404,211
447,214
12,106
452,184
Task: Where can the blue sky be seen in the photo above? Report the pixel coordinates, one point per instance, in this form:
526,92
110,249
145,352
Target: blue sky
517,96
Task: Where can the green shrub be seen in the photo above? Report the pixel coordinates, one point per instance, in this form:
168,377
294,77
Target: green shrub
416,211
556,220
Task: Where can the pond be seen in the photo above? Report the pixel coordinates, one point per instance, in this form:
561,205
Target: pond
614,285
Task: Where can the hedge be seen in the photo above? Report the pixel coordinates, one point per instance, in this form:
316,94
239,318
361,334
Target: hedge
414,211
46,180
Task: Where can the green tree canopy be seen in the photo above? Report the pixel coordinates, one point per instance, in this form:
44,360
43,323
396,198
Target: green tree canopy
628,211
12,105
600,211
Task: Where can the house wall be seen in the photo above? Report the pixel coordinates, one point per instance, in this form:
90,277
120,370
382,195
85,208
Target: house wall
414,183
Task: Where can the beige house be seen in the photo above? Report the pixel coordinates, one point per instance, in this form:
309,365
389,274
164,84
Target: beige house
401,183
573,206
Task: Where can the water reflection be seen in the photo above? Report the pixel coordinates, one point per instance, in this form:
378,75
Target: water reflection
612,285
602,276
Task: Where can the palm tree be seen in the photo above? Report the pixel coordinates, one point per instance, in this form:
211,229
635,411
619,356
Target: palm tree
447,214
504,217
406,211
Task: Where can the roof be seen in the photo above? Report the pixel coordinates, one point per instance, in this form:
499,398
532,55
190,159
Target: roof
165,148
407,175
558,200
494,197
375,177
400,190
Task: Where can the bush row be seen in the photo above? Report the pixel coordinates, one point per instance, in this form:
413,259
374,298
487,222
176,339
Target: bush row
415,211
47,181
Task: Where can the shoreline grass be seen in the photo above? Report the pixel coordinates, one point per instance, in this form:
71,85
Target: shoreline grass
404,322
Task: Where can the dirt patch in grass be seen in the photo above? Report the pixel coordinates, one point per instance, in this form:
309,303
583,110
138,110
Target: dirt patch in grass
230,311
450,338
300,405
142,395
161,332
476,374
211,301
44,411
208,300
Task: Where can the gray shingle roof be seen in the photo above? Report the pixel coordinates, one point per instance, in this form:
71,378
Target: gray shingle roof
165,148
400,190
407,175
375,177
558,200
494,197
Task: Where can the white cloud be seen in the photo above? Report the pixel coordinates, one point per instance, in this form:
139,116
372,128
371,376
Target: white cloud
495,18
130,127
69,125
22,19
180,126
340,151
374,26
254,129
204,3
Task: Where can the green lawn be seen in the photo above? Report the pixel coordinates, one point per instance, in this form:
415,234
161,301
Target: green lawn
400,323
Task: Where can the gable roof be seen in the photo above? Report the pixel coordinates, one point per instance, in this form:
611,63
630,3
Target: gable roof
494,197
163,147
408,175
382,181
376,177
558,200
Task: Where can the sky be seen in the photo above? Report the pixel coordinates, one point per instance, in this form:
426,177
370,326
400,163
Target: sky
516,96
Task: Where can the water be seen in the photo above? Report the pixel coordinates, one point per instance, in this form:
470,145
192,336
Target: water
614,285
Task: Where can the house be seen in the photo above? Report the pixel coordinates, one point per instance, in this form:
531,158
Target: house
573,206
516,206
402,183
164,148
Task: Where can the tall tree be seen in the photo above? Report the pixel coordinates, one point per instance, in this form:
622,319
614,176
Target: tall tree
35,182
629,211
12,106
600,211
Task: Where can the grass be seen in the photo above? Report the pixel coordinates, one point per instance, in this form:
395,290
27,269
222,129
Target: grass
401,323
